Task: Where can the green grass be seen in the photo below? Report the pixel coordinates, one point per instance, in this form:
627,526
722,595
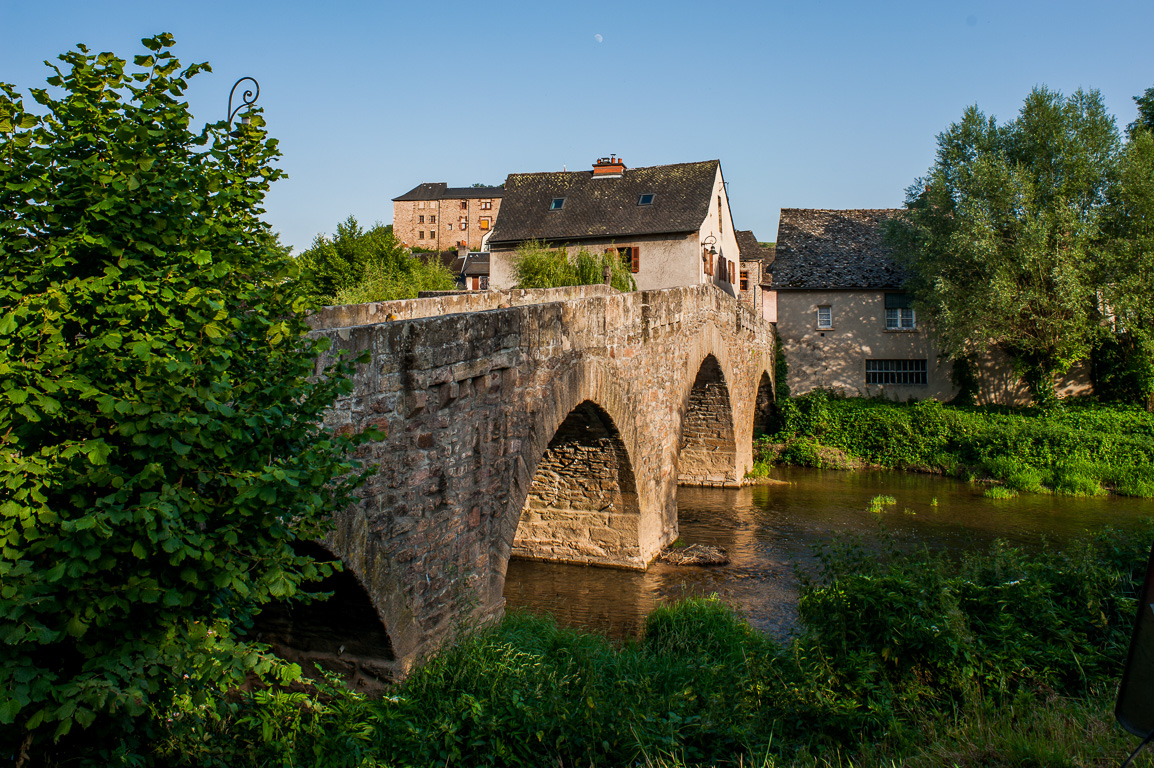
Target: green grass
999,659
1078,449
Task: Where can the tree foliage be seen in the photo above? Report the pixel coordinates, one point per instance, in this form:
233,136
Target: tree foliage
1128,270
357,266
1003,234
537,266
160,448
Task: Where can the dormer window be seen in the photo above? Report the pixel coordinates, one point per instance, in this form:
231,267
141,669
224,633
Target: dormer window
646,199
557,204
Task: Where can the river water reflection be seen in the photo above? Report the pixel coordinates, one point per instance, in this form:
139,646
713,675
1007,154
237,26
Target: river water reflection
768,530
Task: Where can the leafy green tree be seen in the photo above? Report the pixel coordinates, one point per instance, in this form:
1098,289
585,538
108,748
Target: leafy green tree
1002,234
160,447
357,266
1127,354
537,266
1145,119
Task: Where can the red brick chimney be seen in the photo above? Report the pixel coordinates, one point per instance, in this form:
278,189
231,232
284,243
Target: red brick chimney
608,166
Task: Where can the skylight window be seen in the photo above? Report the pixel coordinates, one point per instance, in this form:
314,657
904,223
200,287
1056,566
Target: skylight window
646,199
557,204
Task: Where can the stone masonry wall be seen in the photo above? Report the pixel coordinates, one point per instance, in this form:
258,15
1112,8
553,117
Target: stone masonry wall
469,403
708,450
582,505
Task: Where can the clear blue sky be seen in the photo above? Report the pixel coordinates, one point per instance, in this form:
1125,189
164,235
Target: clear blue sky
812,105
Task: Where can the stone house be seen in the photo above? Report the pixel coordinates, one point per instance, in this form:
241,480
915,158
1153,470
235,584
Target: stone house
437,216
670,223
754,260
846,324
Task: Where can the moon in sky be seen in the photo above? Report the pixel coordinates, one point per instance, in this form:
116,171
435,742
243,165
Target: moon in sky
598,37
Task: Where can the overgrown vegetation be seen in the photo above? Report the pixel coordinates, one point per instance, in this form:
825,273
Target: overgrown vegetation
536,266
357,266
1080,449
160,447
901,657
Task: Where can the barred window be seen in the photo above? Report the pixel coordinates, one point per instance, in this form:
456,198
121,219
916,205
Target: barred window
896,372
825,317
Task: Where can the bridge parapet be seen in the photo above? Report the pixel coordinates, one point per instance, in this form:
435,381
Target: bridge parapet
446,303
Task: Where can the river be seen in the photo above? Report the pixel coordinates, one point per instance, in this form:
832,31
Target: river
768,531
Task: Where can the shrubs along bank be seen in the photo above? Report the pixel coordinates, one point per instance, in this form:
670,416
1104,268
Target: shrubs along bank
1083,449
895,652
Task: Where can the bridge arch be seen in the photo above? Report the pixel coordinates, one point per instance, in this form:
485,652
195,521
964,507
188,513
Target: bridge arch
343,634
763,403
708,439
582,505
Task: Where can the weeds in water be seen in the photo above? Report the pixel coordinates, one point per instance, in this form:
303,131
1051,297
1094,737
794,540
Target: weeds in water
878,502
1000,492
934,501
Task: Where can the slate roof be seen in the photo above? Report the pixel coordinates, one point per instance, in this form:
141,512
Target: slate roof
751,250
823,249
442,191
605,207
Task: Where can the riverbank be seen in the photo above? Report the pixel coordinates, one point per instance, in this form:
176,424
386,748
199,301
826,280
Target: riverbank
902,658
1077,449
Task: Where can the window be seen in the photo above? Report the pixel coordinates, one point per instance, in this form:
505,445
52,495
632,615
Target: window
486,205
896,372
720,224
421,204
432,219
432,234
485,222
463,225
630,257
899,312
433,204
421,235
449,227
557,204
745,279
420,219
732,267
464,205
646,199
900,319
825,317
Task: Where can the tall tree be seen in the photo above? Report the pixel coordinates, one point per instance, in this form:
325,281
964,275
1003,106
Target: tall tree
1128,273
1001,234
160,448
356,266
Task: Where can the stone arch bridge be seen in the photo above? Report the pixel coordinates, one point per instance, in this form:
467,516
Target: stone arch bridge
552,424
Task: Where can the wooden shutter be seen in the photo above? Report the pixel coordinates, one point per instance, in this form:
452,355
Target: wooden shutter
636,259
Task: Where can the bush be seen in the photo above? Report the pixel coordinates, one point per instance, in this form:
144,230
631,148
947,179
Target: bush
891,644
159,441
1075,449
536,266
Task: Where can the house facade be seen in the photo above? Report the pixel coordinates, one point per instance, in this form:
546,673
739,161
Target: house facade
846,324
441,217
843,319
670,223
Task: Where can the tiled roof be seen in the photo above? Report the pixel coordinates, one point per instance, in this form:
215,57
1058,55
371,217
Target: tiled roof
442,191
821,249
605,206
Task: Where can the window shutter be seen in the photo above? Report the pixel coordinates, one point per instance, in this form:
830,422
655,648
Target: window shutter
636,259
